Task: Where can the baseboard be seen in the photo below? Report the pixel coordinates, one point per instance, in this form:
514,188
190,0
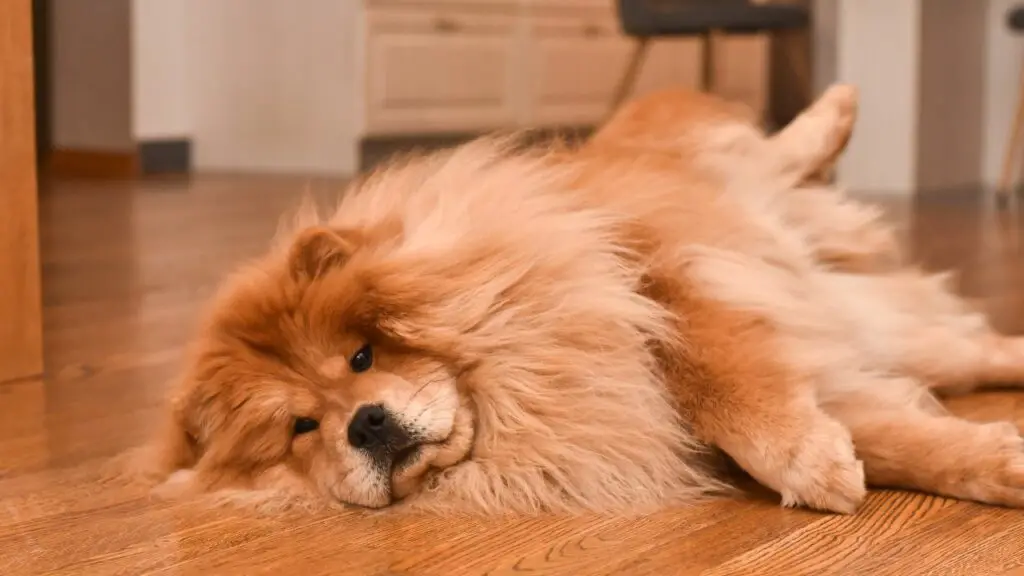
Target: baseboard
150,157
168,156
376,150
963,192
79,163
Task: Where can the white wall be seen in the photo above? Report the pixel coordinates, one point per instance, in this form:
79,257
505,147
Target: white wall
258,85
877,50
824,43
90,75
951,94
161,87
937,103
270,84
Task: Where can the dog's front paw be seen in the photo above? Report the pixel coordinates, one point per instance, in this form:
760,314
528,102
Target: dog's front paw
824,472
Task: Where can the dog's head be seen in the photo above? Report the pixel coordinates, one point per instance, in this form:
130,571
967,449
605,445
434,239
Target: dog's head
301,372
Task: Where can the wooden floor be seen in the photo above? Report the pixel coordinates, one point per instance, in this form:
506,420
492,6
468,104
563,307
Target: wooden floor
126,267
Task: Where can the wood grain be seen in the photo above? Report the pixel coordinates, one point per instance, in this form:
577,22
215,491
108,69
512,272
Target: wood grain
127,266
20,323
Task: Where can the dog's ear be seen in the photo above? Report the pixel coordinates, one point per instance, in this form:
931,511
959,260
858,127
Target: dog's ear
319,249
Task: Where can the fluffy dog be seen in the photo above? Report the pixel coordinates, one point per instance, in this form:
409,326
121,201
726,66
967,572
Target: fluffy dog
498,328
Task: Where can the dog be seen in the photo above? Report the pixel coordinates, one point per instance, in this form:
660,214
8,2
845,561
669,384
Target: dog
506,329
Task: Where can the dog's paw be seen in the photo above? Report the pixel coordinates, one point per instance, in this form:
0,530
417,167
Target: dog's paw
824,472
810,145
843,99
839,105
997,477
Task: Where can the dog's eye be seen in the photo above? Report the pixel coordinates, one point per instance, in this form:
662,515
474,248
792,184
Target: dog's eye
362,359
304,425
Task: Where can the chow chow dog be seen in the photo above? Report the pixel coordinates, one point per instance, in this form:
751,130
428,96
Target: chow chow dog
506,328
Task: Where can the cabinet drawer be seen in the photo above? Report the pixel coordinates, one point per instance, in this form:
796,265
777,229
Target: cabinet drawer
438,71
574,65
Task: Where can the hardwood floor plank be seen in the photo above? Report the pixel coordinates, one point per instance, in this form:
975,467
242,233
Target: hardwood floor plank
840,543
715,544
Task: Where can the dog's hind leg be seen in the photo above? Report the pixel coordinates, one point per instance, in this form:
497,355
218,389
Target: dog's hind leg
912,323
807,148
906,446
994,361
844,235
931,334
1002,362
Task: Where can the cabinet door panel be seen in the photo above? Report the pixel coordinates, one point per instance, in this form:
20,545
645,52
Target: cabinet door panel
575,65
430,73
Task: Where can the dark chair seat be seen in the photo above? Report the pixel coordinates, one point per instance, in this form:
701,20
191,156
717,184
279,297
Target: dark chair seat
651,18
1015,19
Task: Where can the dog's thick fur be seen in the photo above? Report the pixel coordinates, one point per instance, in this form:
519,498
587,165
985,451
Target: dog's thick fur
572,329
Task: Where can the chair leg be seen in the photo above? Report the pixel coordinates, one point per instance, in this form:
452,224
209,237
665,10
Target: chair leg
707,61
625,87
1013,147
800,64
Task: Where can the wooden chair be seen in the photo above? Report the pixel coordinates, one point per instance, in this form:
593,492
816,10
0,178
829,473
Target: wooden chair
1015,20
649,19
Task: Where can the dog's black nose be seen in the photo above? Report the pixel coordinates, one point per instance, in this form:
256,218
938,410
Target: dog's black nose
372,428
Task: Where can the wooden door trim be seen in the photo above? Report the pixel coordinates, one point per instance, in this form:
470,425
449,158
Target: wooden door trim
21,348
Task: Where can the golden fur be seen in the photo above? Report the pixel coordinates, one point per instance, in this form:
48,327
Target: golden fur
564,330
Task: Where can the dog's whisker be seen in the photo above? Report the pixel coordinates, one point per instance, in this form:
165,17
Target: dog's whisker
416,393
426,408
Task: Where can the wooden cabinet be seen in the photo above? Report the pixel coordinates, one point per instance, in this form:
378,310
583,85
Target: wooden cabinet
572,67
430,71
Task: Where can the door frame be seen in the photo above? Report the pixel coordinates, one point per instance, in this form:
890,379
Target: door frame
21,348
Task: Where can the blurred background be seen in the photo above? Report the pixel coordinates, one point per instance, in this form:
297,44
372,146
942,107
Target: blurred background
328,86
